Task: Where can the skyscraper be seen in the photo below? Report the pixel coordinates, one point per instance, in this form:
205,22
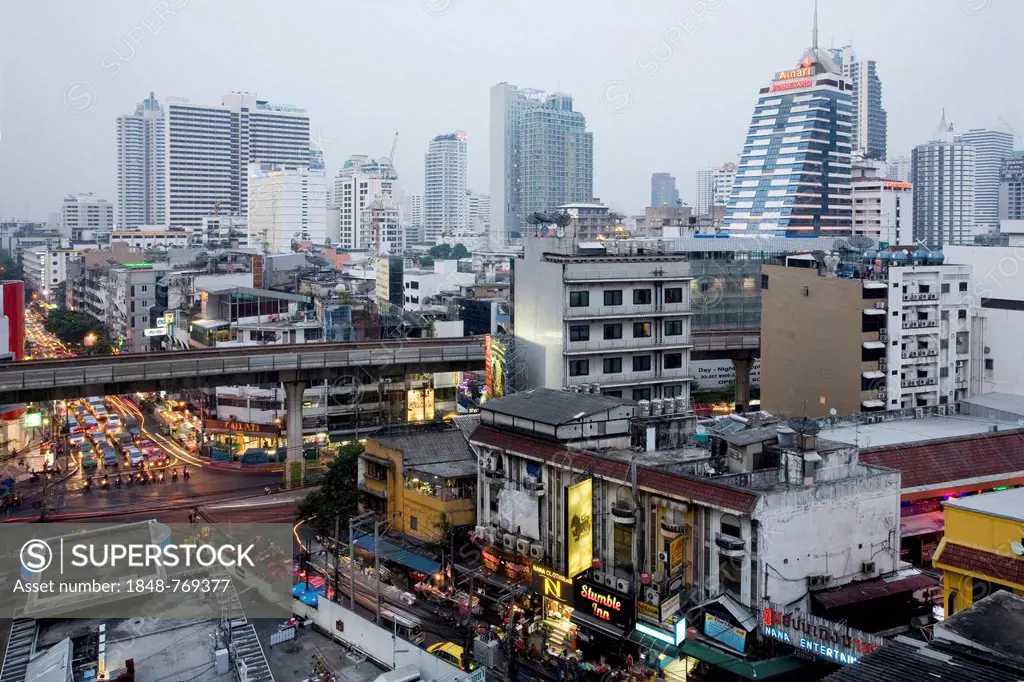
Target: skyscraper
794,171
445,207
479,210
899,169
722,179
286,206
705,191
222,141
663,190
991,149
943,176
541,157
87,218
1011,188
141,173
359,182
870,121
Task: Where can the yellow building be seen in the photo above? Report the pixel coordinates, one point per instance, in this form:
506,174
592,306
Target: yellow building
422,480
983,548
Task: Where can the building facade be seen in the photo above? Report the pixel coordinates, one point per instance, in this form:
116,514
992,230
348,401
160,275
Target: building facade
705,191
904,334
722,179
991,149
614,325
445,205
870,121
223,231
359,182
46,268
87,218
143,239
883,209
900,169
942,173
141,166
479,210
794,171
286,207
379,227
541,157
591,220
663,190
1011,188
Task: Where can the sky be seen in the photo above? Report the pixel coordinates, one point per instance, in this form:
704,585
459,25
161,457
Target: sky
666,85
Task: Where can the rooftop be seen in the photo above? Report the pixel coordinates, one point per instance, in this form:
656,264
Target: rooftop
1007,504
992,625
429,447
907,660
553,407
908,431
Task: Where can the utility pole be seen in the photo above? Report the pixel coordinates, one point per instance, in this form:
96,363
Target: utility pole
337,556
353,523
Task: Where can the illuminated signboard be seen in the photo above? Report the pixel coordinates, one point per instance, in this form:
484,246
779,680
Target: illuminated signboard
551,584
790,85
579,507
33,420
675,638
603,604
805,72
383,288
894,184
724,632
675,555
647,612
494,367
823,638
669,606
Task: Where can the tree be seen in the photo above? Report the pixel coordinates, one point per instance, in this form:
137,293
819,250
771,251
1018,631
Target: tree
100,347
71,326
338,496
460,251
426,262
10,268
449,252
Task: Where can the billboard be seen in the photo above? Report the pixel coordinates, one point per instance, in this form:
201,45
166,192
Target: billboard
579,527
551,584
718,375
383,272
494,367
675,556
598,601
725,632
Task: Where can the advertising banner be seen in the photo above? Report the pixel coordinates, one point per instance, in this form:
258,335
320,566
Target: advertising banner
579,507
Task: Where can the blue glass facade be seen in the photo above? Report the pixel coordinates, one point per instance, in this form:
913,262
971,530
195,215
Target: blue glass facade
795,168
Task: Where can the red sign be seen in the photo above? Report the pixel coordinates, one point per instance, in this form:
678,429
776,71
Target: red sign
894,184
790,85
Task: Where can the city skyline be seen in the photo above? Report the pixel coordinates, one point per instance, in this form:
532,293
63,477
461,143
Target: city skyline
69,101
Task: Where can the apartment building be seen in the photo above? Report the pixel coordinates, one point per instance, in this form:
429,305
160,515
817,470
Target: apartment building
143,239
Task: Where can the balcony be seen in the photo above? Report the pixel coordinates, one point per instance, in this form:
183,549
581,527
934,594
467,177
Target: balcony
613,311
672,529
921,299
680,374
730,545
370,489
920,326
625,345
623,513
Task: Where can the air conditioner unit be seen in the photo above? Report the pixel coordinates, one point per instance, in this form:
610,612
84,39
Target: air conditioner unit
905,355
537,552
622,585
915,325
599,577
912,353
933,352
942,410
904,384
523,546
906,297
882,362
933,323
915,297
881,393
959,377
931,382
880,305
651,596
489,535
662,556
935,297
867,567
818,581
959,364
906,325
509,541
919,413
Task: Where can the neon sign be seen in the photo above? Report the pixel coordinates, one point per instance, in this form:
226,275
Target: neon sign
550,584
893,184
805,72
790,85
823,638
602,605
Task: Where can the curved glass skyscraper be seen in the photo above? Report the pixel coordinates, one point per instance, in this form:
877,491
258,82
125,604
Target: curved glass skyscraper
794,171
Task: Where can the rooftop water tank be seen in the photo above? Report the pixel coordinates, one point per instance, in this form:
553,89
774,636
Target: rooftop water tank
869,256
936,258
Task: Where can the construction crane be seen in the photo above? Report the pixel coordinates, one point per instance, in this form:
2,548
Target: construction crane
1016,137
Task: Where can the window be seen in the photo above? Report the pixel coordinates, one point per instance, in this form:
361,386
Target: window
641,296
673,360
641,363
579,299
612,365
641,394
613,297
961,314
579,368
413,522
945,287
674,391
612,331
613,394
641,330
674,295
623,549
764,281
673,327
963,286
579,332
416,285
988,363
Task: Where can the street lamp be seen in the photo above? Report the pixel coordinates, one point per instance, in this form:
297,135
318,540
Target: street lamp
90,339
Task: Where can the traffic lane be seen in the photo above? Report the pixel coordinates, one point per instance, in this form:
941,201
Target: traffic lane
201,483
175,513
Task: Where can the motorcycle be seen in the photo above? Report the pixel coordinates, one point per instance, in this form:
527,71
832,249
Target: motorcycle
106,483
174,476
87,485
117,481
187,474
160,477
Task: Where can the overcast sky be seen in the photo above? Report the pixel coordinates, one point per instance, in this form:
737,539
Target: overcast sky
666,85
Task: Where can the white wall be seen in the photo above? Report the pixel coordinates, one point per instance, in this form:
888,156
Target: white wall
377,643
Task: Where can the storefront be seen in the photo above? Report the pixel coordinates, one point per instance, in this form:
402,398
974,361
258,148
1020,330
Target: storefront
556,594
236,437
603,617
512,566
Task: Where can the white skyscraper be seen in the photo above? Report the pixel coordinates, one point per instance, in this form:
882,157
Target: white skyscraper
870,120
445,208
222,141
286,206
141,171
899,169
86,218
358,183
705,191
722,179
942,173
479,211
991,149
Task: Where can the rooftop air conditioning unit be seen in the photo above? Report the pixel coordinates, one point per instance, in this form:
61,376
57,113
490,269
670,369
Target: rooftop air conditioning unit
867,567
906,325
935,297
537,552
959,378
651,596
931,382
906,355
523,546
489,535
959,363
933,323
509,541
933,351
622,585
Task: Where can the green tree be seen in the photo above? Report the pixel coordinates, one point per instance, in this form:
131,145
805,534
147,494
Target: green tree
71,326
460,251
441,251
338,496
426,262
10,268
100,347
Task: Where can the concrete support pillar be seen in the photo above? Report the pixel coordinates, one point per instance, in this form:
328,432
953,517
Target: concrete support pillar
294,467
742,363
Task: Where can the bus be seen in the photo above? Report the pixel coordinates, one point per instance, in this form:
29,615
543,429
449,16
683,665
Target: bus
402,623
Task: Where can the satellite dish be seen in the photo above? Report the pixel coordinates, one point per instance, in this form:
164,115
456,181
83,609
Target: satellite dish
1017,548
861,242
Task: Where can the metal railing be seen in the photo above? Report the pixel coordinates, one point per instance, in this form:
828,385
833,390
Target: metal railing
627,310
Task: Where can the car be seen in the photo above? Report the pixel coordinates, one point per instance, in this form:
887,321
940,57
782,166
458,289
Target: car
133,455
113,422
450,652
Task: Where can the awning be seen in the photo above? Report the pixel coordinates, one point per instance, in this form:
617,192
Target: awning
875,374
872,404
398,555
376,460
656,645
751,670
874,344
869,590
873,311
597,625
922,524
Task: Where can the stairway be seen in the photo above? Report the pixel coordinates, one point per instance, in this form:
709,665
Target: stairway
245,644
19,650
558,634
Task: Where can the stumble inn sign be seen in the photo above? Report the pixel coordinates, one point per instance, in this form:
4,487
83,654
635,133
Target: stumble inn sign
820,637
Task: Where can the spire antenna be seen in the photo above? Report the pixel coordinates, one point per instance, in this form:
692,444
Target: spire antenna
814,35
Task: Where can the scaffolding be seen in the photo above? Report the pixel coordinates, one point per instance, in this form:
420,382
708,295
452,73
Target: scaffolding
516,378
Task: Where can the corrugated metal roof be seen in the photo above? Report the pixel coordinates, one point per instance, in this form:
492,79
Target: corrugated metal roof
548,406
868,590
428,447
904,660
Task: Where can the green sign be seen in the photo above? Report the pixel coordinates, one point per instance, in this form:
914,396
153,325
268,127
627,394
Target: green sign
883,245
138,266
33,419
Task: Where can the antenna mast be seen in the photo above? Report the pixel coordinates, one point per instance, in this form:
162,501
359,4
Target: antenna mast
814,38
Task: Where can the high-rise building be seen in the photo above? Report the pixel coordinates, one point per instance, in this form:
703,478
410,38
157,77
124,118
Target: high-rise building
87,218
222,141
883,209
358,183
991,149
379,227
663,190
141,166
1011,188
722,179
870,121
541,157
900,169
794,171
286,206
479,207
444,196
705,191
943,179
